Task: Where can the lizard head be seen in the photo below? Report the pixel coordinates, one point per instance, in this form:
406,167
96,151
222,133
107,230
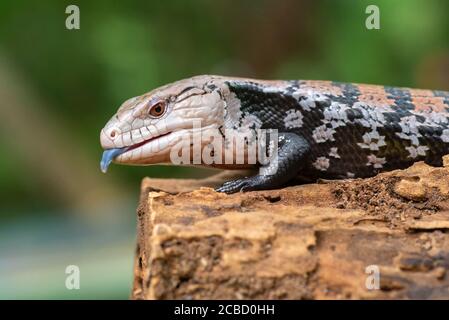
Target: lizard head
145,128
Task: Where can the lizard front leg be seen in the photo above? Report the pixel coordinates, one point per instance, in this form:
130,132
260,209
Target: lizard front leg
289,160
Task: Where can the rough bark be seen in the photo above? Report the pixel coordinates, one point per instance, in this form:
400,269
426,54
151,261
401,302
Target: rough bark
312,241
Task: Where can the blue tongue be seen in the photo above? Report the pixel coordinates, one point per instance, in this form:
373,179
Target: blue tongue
108,156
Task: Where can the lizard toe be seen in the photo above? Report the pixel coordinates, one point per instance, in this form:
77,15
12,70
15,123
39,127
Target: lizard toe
233,186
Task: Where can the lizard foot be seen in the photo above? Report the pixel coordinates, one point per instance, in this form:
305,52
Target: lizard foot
289,161
233,186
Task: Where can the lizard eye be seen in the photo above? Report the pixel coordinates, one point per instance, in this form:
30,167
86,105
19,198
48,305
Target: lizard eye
157,109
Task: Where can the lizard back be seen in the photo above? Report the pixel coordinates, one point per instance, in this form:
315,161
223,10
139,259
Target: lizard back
354,130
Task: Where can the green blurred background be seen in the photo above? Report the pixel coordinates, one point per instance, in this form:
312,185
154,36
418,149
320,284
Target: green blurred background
58,87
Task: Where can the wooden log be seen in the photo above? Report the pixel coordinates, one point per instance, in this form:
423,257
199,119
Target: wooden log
384,237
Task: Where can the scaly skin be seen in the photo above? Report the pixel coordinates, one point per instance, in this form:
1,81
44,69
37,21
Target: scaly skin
326,129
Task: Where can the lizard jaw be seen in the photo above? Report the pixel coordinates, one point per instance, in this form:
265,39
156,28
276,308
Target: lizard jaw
110,154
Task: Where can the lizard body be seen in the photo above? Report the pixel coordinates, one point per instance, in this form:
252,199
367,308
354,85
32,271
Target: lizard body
325,129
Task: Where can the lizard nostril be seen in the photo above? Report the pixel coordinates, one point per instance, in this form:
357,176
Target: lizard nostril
113,133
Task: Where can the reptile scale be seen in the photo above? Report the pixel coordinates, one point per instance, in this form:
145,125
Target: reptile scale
325,129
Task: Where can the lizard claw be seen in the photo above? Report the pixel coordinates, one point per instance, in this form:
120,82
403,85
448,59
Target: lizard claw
236,186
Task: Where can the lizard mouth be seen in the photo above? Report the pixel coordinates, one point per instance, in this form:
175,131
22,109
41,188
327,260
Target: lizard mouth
110,154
